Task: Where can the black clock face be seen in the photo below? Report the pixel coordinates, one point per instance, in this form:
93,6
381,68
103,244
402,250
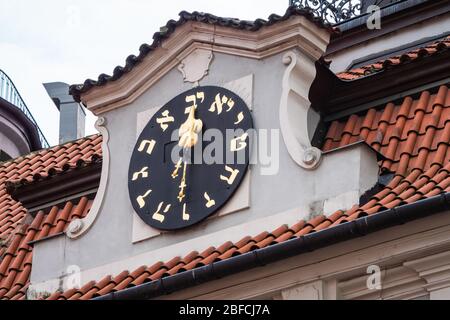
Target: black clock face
190,157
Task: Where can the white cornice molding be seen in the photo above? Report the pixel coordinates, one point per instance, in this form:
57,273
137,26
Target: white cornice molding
396,283
435,270
296,32
308,291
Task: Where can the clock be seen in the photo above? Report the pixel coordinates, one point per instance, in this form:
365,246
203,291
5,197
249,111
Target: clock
190,157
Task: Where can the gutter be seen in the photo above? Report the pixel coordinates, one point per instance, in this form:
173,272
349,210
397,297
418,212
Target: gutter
307,243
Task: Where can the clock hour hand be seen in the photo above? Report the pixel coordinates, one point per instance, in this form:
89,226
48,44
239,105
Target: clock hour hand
188,132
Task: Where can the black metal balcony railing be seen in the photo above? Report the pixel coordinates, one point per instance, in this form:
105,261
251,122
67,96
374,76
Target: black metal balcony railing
9,92
331,11
339,11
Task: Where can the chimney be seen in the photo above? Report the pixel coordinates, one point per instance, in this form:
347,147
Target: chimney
71,113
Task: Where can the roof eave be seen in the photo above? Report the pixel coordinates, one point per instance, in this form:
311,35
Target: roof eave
307,243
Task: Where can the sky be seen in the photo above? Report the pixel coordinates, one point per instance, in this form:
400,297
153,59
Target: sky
70,41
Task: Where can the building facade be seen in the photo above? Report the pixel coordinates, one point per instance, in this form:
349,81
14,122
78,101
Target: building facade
342,193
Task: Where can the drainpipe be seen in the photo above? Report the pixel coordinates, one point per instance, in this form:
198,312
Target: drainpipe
307,243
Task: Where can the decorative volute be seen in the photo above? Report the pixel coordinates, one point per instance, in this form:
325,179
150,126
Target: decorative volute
294,108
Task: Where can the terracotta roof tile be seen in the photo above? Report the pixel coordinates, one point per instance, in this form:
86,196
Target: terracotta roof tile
227,254
285,236
407,57
191,265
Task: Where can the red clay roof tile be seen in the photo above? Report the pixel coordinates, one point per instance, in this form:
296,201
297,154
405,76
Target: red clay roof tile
408,57
191,265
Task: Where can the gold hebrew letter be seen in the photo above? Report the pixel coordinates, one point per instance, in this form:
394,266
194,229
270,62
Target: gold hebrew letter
230,179
238,143
186,215
142,173
166,118
230,104
158,216
240,117
209,202
149,144
193,99
140,200
218,103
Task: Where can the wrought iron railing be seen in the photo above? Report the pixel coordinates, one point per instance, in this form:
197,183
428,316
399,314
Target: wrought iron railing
331,11
338,11
9,92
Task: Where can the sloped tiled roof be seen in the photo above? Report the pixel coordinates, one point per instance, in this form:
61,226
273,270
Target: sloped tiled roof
414,136
17,228
431,49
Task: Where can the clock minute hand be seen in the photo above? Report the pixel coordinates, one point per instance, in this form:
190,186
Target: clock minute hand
177,167
182,185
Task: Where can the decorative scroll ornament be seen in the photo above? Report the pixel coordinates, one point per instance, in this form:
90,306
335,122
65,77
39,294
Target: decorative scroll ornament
331,11
79,226
294,108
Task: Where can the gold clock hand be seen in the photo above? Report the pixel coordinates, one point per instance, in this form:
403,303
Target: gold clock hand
188,132
182,185
177,167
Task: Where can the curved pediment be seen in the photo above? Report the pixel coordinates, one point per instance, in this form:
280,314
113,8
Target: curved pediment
193,32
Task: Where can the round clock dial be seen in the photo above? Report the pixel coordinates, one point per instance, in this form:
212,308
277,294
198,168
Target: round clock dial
190,157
